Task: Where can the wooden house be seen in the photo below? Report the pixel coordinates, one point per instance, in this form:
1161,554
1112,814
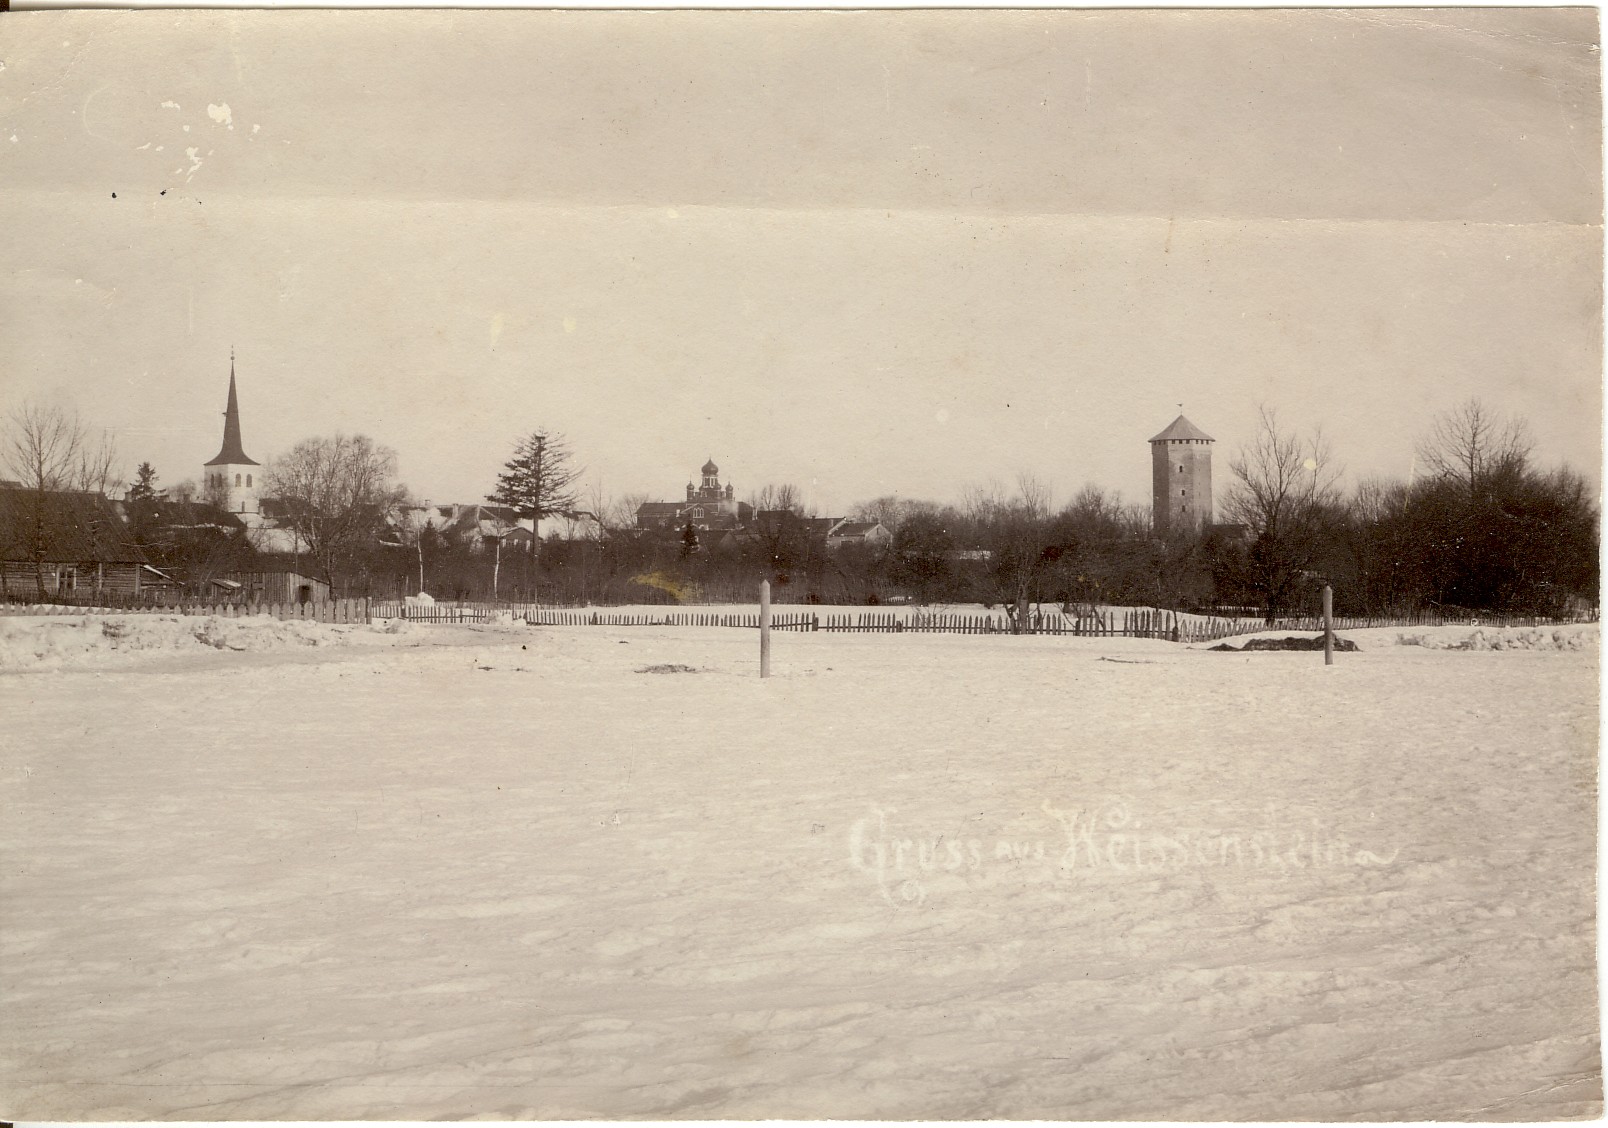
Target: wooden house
68,542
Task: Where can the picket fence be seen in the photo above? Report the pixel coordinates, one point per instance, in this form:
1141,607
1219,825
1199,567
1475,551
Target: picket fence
1132,624
1135,623
328,611
805,621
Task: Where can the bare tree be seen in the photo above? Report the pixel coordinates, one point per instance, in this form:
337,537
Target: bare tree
1286,490
891,511
785,497
1469,444
784,538
42,446
97,463
49,450
1016,530
340,493
619,514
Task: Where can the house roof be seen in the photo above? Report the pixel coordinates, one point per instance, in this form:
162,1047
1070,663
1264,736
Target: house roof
1182,430
72,527
166,513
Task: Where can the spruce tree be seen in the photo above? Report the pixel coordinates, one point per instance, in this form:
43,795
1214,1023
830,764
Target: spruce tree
144,487
538,481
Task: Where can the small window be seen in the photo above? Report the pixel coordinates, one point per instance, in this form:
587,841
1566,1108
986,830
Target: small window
1183,493
237,479
248,479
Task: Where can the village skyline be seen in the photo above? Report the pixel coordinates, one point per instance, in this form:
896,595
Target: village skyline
1020,244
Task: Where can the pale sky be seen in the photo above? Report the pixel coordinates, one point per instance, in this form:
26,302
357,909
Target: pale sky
896,252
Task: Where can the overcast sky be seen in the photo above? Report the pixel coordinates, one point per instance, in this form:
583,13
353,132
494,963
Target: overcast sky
896,252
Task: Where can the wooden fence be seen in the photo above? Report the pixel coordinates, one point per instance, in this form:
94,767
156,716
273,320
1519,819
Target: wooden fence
327,611
1169,626
804,621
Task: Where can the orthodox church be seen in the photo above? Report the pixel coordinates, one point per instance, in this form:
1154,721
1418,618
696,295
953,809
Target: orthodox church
709,506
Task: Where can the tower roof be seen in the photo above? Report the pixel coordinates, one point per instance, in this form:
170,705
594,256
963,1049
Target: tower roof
1182,430
231,454
710,467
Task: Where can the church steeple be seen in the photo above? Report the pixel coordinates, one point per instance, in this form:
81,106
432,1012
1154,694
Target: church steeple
230,479
232,454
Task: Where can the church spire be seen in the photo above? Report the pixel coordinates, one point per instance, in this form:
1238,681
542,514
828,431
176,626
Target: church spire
232,454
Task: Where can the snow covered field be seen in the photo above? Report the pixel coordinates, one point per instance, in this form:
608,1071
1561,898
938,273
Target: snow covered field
503,872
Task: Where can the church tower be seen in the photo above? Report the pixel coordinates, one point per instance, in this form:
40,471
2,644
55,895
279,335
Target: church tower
231,479
1181,479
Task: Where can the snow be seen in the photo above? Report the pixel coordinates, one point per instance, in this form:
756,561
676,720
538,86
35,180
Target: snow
497,871
31,643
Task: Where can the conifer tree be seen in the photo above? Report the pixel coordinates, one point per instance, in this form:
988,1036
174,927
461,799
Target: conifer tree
144,487
538,481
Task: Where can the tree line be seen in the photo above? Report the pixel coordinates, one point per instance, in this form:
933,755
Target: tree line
1479,525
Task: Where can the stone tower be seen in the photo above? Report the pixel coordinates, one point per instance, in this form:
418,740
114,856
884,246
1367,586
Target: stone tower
1181,479
231,479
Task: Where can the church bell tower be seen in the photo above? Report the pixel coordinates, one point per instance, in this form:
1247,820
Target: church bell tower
232,480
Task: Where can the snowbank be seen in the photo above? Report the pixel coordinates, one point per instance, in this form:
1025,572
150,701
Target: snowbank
1572,637
54,642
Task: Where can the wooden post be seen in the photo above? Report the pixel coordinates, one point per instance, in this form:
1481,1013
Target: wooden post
1328,625
764,628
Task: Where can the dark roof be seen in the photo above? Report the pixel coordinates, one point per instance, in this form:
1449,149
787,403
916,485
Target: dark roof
1182,430
710,467
165,513
73,528
231,454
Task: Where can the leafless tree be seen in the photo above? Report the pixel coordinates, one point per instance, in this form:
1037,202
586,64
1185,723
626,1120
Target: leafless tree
340,493
42,446
786,497
1469,444
1016,530
1285,489
49,450
892,511
1280,477
97,464
619,514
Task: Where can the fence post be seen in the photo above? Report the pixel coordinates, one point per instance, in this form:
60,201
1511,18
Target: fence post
764,628
1328,625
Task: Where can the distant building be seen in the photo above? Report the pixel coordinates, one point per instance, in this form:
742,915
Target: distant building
1181,479
281,585
871,535
71,542
707,507
230,478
